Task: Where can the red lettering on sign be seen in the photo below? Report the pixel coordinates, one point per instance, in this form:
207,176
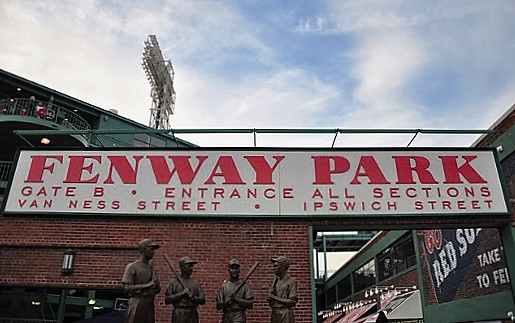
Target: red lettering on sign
181,166
371,170
260,169
405,170
325,166
452,172
226,168
124,169
38,166
76,167
263,170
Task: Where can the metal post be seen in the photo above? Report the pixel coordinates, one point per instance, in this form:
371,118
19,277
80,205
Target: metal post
62,306
89,307
325,257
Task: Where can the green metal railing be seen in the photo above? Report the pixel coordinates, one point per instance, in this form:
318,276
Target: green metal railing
5,170
256,131
43,110
335,131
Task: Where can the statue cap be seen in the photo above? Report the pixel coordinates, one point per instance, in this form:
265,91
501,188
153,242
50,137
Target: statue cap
148,243
281,260
187,260
234,262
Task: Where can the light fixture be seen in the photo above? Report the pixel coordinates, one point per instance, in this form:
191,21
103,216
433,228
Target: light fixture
92,301
18,89
36,303
67,268
45,141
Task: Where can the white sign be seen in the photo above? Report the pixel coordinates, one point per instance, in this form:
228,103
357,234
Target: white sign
257,182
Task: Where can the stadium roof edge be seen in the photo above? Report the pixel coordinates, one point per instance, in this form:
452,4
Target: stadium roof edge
86,104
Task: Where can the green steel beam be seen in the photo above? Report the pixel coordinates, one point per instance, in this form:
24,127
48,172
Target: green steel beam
477,309
89,307
93,132
312,282
62,306
331,131
254,130
507,233
343,237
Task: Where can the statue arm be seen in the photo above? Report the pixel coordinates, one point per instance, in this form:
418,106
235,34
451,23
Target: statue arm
135,289
138,289
246,303
289,301
157,284
220,299
246,300
199,297
171,294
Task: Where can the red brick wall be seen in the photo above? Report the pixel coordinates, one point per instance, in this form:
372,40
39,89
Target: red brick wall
32,248
500,129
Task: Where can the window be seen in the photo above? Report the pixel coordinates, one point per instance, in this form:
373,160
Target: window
144,140
344,288
141,140
157,142
331,296
365,276
42,304
397,258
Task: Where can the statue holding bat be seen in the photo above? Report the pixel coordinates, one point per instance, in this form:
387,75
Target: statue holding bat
184,293
235,295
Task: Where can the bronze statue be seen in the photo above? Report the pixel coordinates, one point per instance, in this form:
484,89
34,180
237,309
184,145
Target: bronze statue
282,297
235,295
185,294
141,283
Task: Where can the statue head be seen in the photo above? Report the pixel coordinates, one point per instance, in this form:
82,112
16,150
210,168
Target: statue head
234,268
187,264
147,248
280,264
146,243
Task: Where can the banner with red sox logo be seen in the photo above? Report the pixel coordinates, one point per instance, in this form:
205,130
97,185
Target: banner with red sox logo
462,263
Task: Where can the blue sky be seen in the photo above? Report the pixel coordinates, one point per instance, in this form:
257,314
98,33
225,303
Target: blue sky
279,64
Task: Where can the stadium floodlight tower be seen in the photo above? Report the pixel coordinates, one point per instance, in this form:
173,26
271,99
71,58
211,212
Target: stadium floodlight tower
160,73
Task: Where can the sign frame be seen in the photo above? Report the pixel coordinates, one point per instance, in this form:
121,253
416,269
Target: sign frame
226,151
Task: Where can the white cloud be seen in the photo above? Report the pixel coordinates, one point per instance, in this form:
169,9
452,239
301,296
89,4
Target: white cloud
385,63
413,64
399,43
287,98
93,52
